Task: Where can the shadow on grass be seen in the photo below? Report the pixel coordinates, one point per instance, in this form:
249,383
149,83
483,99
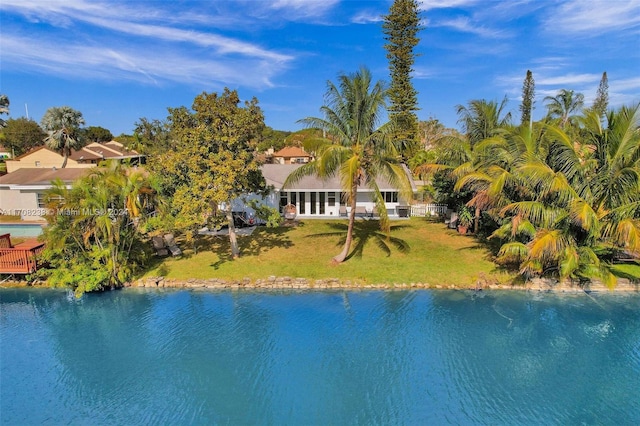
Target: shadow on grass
364,232
261,240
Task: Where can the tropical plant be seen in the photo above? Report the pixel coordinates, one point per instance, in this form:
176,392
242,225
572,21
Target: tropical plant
564,107
481,119
578,213
357,149
21,135
63,127
528,96
93,240
4,108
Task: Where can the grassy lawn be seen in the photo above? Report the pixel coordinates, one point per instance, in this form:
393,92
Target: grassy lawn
417,251
4,218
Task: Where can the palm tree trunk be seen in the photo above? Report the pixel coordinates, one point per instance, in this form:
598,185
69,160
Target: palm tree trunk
476,221
233,239
65,153
352,218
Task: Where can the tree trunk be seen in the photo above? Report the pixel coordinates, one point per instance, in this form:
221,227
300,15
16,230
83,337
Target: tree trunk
233,239
476,221
65,153
352,218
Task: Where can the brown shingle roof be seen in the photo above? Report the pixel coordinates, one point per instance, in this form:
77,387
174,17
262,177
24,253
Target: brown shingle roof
40,176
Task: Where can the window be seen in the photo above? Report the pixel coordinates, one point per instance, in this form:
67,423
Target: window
322,196
293,198
37,164
312,200
332,199
42,202
303,207
283,199
391,197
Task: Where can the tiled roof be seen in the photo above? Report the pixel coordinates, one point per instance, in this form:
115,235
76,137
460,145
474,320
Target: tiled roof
291,151
41,176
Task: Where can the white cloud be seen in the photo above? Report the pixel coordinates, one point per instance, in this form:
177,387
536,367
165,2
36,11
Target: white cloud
366,17
296,9
464,24
143,65
595,17
446,4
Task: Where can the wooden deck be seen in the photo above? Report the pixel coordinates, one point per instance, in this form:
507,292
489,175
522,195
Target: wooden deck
21,258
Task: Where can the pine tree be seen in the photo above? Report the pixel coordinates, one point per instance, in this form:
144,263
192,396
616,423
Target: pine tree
528,94
401,27
602,97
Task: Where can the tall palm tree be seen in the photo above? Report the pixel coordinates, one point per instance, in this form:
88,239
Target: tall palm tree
564,106
357,149
62,125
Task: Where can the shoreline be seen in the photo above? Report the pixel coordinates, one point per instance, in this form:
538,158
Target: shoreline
289,283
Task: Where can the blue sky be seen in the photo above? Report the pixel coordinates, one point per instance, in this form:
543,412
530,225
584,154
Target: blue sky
117,61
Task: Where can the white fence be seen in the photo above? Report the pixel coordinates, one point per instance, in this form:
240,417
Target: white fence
423,210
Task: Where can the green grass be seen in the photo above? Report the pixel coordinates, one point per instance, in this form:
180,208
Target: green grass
417,251
5,218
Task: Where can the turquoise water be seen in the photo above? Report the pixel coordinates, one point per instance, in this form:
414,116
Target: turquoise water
423,357
21,229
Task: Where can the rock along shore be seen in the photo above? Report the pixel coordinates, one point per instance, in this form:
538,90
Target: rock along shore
285,283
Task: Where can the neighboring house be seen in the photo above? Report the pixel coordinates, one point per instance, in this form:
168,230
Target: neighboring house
22,191
5,153
291,155
314,197
88,156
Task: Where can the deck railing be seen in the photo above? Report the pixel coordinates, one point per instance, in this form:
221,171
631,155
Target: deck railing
423,210
18,260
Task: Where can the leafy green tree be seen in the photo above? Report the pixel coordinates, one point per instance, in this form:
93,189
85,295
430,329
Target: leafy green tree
213,160
272,138
601,101
21,134
528,96
564,107
63,127
92,241
357,149
401,27
97,134
151,136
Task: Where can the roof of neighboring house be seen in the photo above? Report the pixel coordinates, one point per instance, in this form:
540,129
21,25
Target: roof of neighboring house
291,151
276,174
40,176
93,151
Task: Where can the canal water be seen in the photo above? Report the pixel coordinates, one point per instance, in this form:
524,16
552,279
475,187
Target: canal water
418,357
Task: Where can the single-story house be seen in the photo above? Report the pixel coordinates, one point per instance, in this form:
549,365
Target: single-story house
317,198
291,155
88,156
22,191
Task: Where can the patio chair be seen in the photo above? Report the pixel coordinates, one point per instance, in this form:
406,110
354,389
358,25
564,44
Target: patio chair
159,246
171,245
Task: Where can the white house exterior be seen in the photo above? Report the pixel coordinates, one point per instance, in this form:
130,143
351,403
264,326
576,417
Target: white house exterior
317,198
21,192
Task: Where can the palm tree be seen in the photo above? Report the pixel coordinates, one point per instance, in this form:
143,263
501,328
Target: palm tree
4,108
62,125
586,209
357,149
482,119
564,106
